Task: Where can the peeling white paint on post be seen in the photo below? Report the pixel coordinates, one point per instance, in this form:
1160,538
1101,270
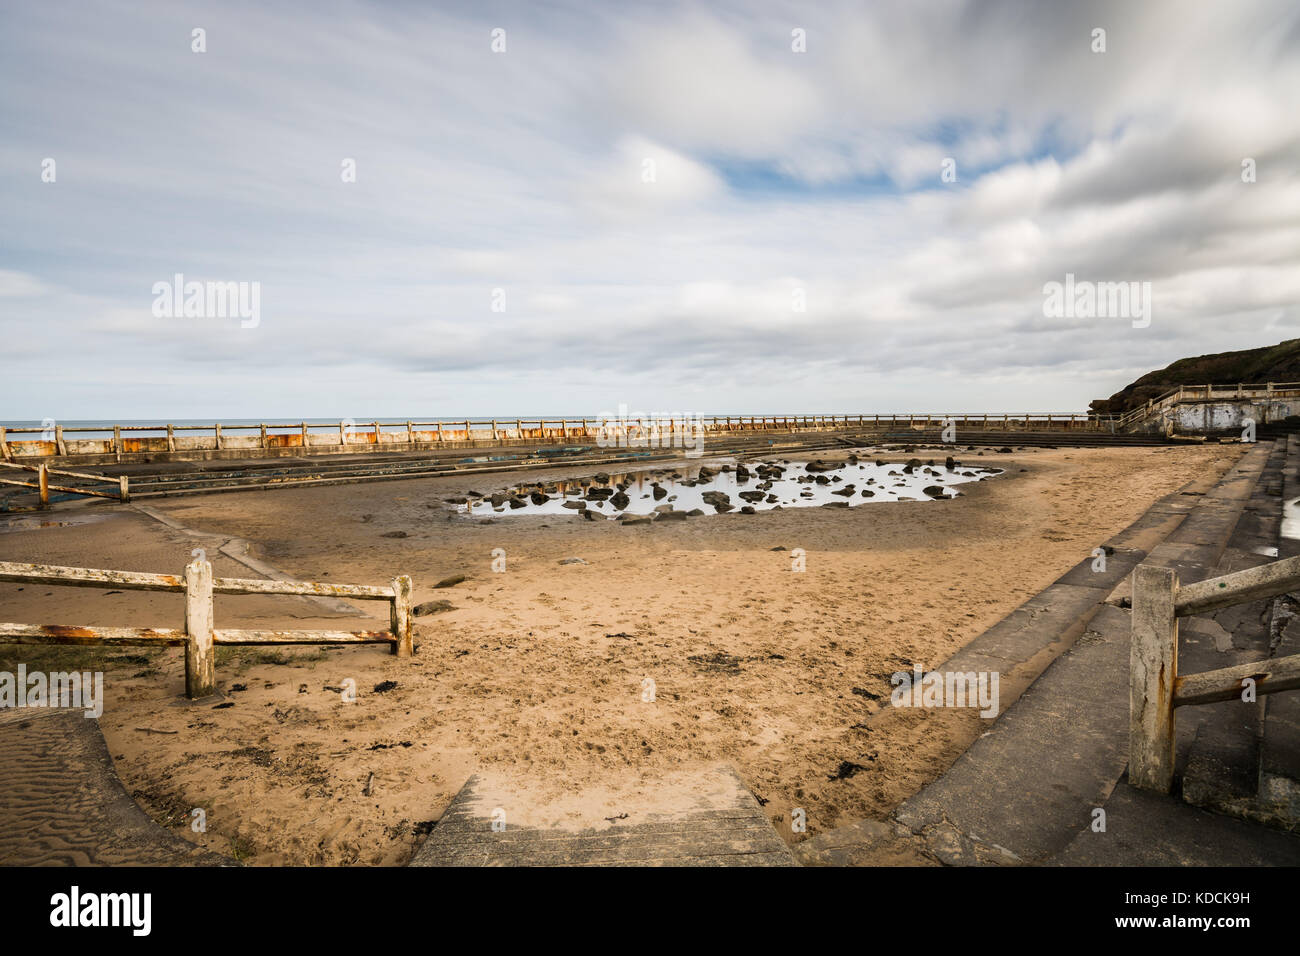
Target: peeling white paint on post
200,659
1153,666
400,616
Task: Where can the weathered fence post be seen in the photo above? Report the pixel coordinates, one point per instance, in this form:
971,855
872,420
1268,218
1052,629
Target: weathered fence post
200,658
43,484
400,616
1153,665
123,489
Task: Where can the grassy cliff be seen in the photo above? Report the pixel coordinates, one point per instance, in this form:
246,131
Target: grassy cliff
1275,363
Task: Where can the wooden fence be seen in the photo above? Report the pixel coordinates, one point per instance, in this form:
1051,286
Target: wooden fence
179,442
199,635
119,487
1155,686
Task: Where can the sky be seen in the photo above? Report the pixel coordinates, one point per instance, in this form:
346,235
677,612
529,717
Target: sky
564,208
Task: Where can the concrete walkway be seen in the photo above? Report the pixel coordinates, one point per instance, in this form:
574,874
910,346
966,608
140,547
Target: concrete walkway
1028,790
62,804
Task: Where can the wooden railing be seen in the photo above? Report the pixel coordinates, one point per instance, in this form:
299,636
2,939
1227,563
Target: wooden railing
121,492
198,635
1156,687
332,437
1205,393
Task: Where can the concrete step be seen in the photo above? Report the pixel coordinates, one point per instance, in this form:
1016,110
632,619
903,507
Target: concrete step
705,817
1029,439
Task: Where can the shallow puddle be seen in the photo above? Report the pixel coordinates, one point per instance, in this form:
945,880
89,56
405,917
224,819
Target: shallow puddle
718,489
35,523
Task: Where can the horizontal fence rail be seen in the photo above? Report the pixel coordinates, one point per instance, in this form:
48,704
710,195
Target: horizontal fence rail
199,636
1156,688
119,488
164,439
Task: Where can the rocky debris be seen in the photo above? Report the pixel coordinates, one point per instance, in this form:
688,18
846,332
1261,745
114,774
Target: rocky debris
591,515
672,515
846,491
620,501
836,504
499,498
602,477
949,463
695,513
393,534
819,466
912,465
452,581
636,519
935,491
516,502
868,493
575,505
1002,451
538,498
845,770
748,510
742,473
716,498
658,491
599,494
571,561
751,495
432,607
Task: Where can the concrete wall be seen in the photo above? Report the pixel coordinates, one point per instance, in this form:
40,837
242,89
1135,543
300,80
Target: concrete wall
1217,416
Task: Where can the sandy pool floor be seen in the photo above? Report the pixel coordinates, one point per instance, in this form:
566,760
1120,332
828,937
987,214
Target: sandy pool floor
539,671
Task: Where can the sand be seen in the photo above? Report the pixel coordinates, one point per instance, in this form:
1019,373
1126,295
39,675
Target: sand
538,675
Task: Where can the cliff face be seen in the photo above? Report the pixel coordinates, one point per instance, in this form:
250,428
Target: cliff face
1276,363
